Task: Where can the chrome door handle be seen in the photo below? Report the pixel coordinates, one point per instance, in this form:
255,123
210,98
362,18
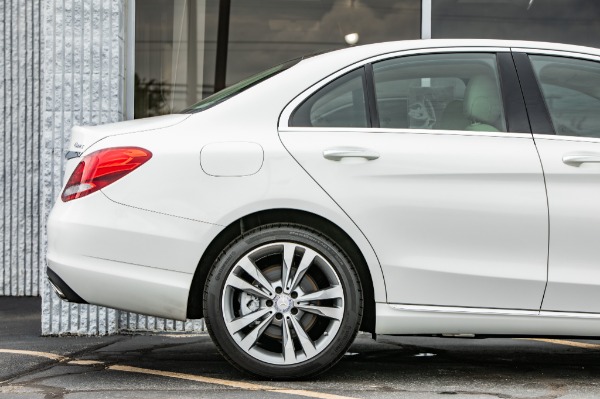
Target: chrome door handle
578,159
336,154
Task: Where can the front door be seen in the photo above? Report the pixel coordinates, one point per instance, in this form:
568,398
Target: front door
571,160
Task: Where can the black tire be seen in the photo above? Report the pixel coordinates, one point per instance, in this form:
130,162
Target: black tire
219,296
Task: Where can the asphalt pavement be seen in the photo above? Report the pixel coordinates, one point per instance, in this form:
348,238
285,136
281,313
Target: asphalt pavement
189,366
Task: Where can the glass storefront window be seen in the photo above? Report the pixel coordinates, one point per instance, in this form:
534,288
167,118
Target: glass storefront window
562,21
169,55
185,50
265,32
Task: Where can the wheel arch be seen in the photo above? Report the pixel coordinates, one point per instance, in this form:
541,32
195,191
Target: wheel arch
308,219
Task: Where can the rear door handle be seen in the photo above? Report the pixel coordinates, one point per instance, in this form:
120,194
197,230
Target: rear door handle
336,154
578,159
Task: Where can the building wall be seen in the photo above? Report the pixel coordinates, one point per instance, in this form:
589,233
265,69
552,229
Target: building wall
20,77
83,84
83,81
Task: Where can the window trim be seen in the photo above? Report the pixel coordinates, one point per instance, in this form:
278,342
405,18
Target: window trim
539,117
515,112
558,53
370,94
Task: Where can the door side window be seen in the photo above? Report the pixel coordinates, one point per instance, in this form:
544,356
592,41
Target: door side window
440,91
340,103
571,89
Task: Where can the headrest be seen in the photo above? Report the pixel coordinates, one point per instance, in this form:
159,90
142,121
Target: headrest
482,100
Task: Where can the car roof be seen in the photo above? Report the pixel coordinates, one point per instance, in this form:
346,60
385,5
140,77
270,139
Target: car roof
386,47
357,53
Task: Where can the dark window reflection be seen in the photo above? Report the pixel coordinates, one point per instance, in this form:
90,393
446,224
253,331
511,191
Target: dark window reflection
266,32
169,49
153,47
177,40
562,21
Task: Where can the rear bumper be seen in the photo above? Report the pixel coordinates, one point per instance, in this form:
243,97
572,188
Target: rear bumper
108,254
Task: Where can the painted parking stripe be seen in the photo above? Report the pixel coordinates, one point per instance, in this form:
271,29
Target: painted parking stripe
191,377
575,344
47,355
85,362
228,383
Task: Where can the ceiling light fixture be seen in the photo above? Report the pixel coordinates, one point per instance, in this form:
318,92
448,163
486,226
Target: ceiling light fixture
351,38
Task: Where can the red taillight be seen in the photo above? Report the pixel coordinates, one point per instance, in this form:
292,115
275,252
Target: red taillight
101,168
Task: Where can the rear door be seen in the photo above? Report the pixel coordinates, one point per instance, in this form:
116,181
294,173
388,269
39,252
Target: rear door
566,126
418,150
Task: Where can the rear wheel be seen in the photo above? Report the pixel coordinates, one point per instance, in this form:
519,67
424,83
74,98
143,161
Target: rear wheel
283,302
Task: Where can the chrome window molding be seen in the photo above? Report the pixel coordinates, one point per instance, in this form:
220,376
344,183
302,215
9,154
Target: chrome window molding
406,131
580,139
560,53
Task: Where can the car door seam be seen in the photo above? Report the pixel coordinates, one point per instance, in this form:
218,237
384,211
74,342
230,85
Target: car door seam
340,207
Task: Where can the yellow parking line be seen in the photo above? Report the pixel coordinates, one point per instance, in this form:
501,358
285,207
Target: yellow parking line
191,377
583,345
310,394
228,383
47,355
85,362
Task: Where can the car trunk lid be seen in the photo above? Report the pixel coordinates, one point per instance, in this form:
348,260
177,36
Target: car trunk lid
82,137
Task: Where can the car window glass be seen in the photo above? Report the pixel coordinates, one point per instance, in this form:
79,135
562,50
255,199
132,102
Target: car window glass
340,103
571,89
239,87
439,91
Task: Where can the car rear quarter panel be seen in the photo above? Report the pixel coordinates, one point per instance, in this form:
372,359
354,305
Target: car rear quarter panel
174,183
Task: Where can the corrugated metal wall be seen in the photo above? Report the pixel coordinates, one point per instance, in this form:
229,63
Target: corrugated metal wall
83,84
20,75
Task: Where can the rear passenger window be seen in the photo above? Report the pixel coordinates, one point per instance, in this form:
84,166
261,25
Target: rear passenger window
340,103
571,89
439,91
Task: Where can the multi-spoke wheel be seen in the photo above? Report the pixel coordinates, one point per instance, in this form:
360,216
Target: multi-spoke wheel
283,302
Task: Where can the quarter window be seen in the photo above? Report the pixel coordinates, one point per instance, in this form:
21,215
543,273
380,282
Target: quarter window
340,103
439,91
571,89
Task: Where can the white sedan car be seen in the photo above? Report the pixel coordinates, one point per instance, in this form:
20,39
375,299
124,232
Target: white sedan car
419,187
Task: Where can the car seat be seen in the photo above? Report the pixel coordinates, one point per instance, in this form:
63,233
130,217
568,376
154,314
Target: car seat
482,105
453,117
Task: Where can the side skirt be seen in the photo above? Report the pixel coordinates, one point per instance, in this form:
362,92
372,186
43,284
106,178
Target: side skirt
432,320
